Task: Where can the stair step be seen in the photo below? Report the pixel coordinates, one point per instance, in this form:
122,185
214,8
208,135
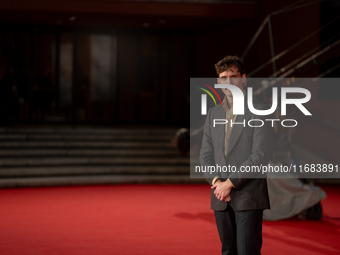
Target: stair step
90,137
97,180
93,144
87,153
92,161
100,131
53,156
93,170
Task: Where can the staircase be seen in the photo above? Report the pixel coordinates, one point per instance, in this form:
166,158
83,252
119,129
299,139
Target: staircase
51,156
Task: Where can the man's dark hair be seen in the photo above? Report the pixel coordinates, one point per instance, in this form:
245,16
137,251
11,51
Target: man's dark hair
229,61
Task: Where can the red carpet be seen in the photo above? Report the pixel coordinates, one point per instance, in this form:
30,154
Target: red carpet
142,219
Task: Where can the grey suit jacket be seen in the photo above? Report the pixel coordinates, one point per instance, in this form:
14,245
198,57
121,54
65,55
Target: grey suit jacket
248,146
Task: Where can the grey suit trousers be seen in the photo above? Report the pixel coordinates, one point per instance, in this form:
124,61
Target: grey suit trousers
240,231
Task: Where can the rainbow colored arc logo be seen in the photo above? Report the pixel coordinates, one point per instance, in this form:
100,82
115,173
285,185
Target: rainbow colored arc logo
208,92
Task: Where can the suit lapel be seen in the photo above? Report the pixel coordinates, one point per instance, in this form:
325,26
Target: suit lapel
238,128
220,129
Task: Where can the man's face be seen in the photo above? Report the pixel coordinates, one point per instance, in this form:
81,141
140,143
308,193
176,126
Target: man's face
231,76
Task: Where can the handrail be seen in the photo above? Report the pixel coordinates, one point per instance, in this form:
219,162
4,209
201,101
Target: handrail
259,30
309,59
302,57
266,20
292,47
266,86
329,70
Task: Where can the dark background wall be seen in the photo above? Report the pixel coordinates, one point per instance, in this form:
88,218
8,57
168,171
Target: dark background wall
49,54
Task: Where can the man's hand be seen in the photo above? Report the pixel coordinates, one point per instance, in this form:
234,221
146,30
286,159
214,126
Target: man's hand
222,190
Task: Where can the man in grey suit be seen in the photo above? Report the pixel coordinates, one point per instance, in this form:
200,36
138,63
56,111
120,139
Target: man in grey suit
238,199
